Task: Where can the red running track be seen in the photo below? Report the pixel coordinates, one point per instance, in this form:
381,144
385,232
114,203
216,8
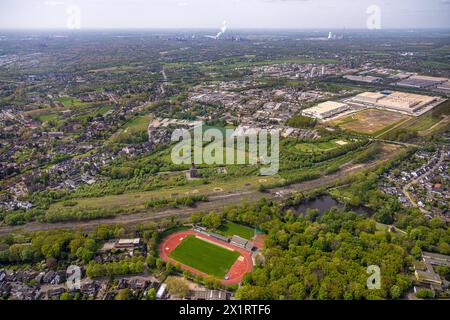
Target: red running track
242,265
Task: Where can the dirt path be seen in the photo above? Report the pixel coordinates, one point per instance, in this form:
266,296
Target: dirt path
394,127
444,120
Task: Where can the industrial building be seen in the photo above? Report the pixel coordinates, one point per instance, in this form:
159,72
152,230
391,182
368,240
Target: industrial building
425,273
325,110
369,97
366,79
444,87
421,82
127,243
395,101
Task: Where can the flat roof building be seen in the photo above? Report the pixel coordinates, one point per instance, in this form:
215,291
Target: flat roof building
369,97
242,243
421,82
428,277
436,259
367,79
127,243
444,87
395,101
161,293
325,110
406,102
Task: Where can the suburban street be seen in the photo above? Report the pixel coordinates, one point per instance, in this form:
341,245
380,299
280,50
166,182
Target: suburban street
416,180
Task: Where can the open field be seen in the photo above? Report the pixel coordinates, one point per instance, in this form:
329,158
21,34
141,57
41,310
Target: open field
320,146
231,229
102,110
430,122
134,199
46,117
370,121
217,202
72,102
220,186
140,122
217,186
134,128
204,256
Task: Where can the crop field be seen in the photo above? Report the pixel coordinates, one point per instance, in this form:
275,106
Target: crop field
231,229
370,121
204,256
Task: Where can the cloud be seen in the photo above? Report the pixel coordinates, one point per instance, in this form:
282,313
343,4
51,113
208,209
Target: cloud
54,3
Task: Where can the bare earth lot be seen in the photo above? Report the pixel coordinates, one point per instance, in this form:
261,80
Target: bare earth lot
370,121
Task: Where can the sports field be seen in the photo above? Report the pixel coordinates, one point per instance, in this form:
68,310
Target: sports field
230,229
204,256
370,121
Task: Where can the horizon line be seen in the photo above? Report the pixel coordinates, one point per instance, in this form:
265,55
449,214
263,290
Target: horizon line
230,30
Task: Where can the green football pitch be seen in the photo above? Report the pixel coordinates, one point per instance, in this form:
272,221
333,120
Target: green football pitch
204,256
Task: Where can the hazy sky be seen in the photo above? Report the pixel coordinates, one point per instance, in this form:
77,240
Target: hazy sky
210,13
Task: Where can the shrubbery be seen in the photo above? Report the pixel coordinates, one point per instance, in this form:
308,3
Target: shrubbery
127,266
301,122
176,202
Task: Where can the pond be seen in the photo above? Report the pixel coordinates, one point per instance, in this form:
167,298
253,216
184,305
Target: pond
325,203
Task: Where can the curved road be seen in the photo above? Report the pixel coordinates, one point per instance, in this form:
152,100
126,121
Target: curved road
407,186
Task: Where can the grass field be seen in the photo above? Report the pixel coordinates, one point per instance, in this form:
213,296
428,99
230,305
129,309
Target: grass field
104,109
139,198
133,127
72,102
430,122
140,122
370,121
47,117
320,146
204,256
168,187
231,229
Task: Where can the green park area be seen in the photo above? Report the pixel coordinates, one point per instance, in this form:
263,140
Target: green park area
231,229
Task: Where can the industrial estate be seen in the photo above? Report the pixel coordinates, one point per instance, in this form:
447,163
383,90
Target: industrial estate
405,103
